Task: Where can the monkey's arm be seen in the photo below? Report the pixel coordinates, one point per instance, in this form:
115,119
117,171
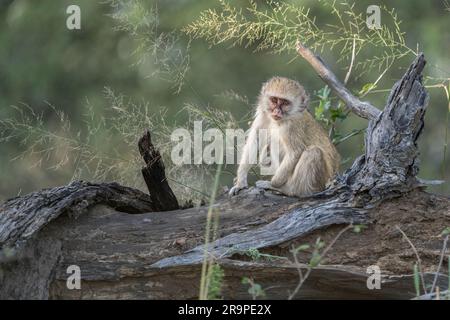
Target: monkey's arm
286,169
249,153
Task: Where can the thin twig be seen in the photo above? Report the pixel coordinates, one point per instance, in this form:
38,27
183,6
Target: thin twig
303,277
347,76
441,260
419,261
375,83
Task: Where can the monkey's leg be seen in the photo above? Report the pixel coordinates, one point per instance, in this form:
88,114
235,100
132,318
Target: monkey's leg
310,174
248,155
285,170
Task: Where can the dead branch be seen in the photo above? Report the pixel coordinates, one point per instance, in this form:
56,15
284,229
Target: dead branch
155,176
361,108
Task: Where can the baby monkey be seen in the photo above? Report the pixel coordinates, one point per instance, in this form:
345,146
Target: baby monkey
308,159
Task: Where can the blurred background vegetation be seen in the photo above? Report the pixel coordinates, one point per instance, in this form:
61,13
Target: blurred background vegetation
74,102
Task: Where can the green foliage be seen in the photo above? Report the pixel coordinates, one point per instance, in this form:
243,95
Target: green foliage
84,150
273,29
328,115
417,279
446,231
211,276
215,283
317,255
255,289
168,60
277,26
324,105
302,247
448,274
325,112
358,228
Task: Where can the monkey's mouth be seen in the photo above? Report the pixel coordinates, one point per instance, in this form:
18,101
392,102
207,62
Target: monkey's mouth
276,118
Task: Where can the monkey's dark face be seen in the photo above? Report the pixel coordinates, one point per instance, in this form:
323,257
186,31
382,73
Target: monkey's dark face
279,107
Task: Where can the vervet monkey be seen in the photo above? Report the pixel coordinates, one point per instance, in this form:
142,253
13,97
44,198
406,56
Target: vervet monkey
308,159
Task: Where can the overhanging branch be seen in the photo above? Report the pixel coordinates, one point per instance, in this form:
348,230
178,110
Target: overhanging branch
360,108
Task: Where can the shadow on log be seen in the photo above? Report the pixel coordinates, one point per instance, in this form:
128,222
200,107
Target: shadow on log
159,254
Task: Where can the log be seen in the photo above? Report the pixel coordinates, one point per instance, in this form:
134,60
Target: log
119,253
155,254
22,217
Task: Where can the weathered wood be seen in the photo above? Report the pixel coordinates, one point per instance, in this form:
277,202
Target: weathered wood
117,253
390,164
291,225
276,279
154,175
22,217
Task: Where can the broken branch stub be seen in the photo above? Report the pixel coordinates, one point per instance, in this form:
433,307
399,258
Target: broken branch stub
390,164
155,177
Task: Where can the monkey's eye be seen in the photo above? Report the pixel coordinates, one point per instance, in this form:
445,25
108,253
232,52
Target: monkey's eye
284,102
274,100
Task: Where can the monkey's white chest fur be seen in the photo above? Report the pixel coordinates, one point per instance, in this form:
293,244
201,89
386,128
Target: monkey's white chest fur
276,148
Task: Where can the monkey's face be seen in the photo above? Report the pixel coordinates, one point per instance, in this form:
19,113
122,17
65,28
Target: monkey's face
279,107
282,99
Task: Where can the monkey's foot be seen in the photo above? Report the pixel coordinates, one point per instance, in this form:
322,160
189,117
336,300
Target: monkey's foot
264,184
235,190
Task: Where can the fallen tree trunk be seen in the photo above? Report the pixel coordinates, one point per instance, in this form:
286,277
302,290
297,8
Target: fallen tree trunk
159,254
120,254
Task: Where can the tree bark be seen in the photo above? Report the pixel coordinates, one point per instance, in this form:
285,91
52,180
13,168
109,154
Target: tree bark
154,254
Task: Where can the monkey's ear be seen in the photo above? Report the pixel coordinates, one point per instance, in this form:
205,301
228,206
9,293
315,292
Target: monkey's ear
305,101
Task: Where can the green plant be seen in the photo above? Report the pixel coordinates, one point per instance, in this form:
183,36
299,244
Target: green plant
448,274
169,61
328,114
316,259
416,279
255,289
215,283
52,142
358,228
277,26
212,223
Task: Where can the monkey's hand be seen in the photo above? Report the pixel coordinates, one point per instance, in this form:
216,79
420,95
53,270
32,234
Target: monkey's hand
265,156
